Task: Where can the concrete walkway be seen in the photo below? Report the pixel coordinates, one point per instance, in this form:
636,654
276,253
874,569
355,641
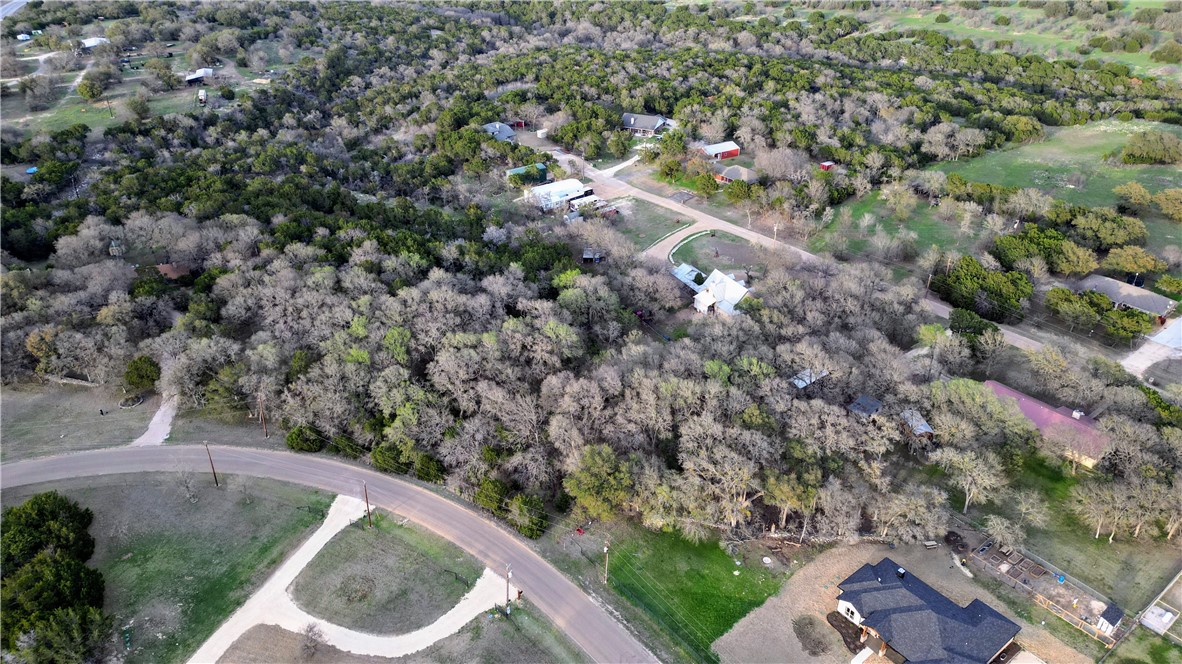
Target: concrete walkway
160,426
1164,345
273,605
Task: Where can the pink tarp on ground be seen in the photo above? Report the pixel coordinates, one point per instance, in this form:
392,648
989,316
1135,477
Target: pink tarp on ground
1081,434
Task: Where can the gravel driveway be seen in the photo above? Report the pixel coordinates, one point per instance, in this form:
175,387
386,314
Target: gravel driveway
765,635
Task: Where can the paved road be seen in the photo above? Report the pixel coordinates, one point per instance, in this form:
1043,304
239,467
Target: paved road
609,186
584,621
10,8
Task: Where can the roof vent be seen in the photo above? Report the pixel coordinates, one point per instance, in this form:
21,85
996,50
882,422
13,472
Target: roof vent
1077,413
631,121
901,573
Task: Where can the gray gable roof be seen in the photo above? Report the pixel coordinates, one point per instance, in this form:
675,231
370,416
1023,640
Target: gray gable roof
641,121
921,624
500,131
1121,293
865,405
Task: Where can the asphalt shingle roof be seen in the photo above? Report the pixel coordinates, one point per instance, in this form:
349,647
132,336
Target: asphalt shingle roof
921,624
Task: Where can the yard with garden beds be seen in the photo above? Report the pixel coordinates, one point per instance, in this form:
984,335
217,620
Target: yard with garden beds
1130,572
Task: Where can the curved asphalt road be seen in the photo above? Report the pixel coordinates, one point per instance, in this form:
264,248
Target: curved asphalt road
584,621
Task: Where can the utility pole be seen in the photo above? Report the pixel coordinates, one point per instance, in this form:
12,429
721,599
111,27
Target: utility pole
948,268
109,108
606,545
211,468
368,514
508,575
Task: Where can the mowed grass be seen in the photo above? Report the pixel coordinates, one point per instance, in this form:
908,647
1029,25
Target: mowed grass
1072,152
690,590
721,251
1130,572
928,228
1144,647
42,420
645,223
1030,32
392,579
175,570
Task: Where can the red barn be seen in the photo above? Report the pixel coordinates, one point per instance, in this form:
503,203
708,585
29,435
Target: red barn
827,165
724,150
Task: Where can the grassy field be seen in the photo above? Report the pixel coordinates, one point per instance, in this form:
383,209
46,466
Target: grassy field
691,590
41,420
1030,31
1069,164
196,426
393,579
1130,572
928,228
1144,647
723,251
644,223
175,570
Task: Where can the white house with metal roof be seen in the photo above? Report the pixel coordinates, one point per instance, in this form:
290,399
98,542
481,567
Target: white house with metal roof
554,194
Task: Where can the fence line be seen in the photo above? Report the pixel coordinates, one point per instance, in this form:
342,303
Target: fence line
1050,605
1054,569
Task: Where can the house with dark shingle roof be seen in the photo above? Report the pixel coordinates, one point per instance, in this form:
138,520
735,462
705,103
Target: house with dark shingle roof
643,125
500,131
865,405
906,620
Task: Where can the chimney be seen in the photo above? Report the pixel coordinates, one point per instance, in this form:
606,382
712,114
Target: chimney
1077,413
901,573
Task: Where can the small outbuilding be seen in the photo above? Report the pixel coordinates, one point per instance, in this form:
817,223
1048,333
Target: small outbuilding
23,37
918,426
807,377
591,255
199,77
500,131
92,42
530,173
865,406
826,165
724,150
1110,619
643,125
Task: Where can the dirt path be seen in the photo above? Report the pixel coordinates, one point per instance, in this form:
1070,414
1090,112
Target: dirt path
765,634
273,605
160,426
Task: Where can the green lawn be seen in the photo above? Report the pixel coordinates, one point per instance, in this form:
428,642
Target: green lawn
721,252
1072,153
929,229
392,579
175,570
1030,32
644,223
1144,647
690,590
